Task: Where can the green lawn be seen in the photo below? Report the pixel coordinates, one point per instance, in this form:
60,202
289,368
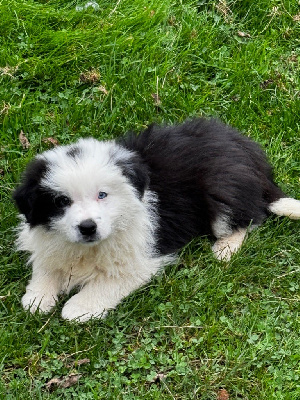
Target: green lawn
202,325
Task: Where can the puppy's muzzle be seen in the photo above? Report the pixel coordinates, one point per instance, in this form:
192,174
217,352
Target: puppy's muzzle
88,229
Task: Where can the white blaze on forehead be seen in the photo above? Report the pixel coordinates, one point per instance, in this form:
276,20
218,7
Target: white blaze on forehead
92,168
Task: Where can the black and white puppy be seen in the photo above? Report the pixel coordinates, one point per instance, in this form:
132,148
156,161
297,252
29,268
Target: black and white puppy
106,216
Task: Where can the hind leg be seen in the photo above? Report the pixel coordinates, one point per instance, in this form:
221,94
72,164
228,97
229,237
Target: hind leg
229,240
226,246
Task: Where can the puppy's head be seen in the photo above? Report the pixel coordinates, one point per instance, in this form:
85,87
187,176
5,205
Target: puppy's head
84,192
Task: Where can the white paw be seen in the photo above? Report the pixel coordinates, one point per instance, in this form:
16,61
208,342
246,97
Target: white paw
222,251
77,309
42,302
225,247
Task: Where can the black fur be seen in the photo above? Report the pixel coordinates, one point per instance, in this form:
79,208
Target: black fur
33,200
136,172
202,169
74,152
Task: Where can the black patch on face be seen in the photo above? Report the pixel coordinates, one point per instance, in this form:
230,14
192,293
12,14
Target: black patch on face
74,152
36,202
136,172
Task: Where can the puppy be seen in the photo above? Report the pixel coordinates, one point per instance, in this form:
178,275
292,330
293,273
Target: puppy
106,216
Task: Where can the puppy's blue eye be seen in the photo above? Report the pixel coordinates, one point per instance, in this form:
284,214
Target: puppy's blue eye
102,195
62,201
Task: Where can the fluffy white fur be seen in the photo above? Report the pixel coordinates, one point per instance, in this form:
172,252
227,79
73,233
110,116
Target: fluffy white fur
286,207
108,270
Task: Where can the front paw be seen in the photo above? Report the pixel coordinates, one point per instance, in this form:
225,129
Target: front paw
78,309
42,302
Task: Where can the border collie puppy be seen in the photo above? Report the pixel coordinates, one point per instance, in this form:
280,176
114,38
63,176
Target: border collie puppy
106,216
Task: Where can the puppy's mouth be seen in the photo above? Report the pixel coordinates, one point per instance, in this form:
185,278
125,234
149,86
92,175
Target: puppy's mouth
89,239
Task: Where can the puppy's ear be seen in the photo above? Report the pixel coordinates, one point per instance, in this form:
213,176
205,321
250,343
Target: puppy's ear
136,172
25,195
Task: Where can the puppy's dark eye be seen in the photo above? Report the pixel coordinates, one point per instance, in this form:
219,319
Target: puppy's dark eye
62,201
102,195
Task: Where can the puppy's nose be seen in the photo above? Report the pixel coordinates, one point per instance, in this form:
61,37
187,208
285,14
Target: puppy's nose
87,227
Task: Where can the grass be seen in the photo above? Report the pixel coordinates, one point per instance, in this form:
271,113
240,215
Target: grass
201,326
